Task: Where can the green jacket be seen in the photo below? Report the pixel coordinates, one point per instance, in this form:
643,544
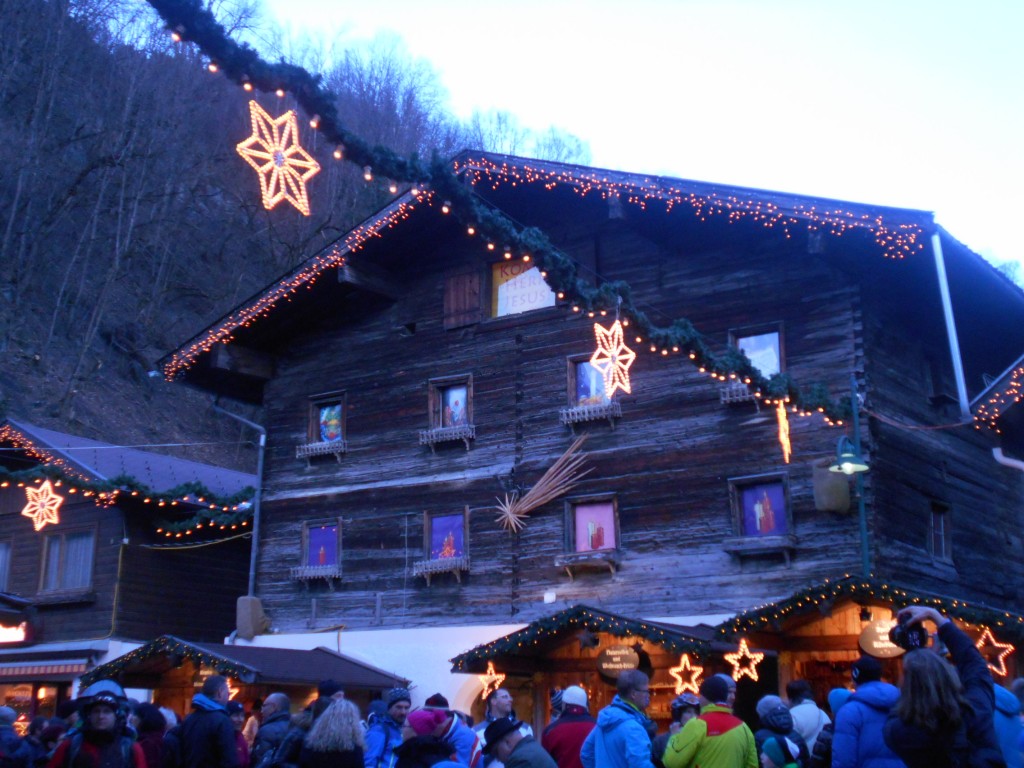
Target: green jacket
715,739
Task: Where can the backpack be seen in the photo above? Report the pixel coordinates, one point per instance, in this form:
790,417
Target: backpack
127,753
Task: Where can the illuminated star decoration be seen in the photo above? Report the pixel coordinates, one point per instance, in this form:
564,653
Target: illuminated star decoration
787,449
612,358
744,662
232,690
42,505
687,676
991,649
491,680
273,150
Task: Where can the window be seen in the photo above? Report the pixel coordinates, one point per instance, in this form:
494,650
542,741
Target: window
763,346
445,545
327,420
321,552
760,506
592,525
5,564
941,532
67,561
450,406
518,287
586,384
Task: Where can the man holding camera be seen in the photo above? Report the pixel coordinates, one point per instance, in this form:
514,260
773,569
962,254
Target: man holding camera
858,741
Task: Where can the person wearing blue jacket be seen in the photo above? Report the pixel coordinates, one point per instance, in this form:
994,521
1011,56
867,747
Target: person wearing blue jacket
858,741
1008,726
620,739
385,734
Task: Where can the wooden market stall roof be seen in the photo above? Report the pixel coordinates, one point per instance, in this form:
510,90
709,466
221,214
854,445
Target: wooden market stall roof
537,637
819,598
254,665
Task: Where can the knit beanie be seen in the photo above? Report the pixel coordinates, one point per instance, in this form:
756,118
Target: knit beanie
425,721
836,698
396,695
766,704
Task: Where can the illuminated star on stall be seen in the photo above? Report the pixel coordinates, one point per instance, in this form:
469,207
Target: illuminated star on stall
612,358
744,662
686,675
995,653
283,165
42,505
491,680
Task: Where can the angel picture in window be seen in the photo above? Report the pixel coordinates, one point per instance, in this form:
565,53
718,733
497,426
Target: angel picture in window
453,407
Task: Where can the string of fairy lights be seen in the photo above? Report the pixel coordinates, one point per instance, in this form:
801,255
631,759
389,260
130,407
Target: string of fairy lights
450,186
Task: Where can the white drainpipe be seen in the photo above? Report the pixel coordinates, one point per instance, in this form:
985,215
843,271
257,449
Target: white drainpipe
1006,461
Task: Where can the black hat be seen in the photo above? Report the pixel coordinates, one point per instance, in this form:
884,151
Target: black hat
437,700
234,707
498,730
715,690
327,688
866,669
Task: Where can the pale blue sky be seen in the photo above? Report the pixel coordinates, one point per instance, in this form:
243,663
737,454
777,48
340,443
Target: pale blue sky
914,103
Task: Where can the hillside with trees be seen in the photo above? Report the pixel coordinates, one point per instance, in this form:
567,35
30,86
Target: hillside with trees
129,222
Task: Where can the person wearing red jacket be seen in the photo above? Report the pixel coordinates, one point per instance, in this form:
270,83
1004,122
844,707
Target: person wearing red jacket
103,741
564,737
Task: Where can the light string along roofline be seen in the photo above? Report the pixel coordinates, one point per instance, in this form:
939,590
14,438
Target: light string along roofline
189,21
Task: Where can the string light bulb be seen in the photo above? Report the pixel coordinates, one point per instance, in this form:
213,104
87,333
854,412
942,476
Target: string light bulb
446,206
367,173
212,66
339,152
314,121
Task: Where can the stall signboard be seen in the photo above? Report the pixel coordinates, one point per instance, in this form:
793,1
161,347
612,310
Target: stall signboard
618,658
874,640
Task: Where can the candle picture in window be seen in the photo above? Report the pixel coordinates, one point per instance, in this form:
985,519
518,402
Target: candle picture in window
330,423
323,545
595,527
447,537
764,509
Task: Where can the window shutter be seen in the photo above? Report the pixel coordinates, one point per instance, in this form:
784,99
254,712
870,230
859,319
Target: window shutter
463,296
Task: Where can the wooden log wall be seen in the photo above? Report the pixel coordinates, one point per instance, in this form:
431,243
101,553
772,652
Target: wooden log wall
668,460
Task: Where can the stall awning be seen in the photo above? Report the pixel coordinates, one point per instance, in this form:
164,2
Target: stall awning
536,638
48,662
253,665
57,672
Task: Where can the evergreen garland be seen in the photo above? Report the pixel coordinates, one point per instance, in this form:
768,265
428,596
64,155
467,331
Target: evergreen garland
243,65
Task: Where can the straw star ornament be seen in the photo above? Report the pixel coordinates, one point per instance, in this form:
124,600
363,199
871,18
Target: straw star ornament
612,358
274,152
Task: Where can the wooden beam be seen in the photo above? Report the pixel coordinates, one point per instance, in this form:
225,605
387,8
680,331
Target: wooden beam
369,278
238,359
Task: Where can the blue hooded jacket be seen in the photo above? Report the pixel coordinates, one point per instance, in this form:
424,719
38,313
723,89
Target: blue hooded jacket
1008,726
620,739
858,741
381,740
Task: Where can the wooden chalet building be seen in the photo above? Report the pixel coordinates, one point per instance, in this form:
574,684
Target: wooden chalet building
414,373
86,570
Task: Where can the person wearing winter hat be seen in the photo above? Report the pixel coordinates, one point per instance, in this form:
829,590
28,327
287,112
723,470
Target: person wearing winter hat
104,738
436,701
779,752
683,708
776,720
821,755
385,734
422,745
564,738
508,745
714,739
556,704
857,741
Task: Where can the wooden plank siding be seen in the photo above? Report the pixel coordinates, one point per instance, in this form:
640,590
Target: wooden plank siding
668,459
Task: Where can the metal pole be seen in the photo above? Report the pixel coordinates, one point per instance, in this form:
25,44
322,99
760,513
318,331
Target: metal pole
254,549
862,517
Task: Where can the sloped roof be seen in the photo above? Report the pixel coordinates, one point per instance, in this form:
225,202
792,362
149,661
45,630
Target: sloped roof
103,461
535,637
250,664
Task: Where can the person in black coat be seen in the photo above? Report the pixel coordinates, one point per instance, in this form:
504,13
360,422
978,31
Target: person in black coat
206,739
336,738
944,718
776,720
276,715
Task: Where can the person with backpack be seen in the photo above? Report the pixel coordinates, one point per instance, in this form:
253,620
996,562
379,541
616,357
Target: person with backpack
821,755
103,741
944,718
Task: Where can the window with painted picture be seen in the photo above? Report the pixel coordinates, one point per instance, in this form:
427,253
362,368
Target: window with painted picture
592,525
517,286
586,384
763,346
451,402
327,418
322,543
761,506
445,535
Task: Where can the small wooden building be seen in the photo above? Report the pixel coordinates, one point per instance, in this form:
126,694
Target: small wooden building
174,670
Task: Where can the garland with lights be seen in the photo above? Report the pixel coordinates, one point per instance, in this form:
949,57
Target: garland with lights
579,617
190,21
169,645
815,598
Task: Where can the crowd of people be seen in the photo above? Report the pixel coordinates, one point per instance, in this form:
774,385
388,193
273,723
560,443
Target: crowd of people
947,714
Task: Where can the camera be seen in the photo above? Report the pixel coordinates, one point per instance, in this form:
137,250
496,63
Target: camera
908,637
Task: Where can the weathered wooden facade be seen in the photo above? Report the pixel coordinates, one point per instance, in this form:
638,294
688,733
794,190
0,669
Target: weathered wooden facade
420,315
96,578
